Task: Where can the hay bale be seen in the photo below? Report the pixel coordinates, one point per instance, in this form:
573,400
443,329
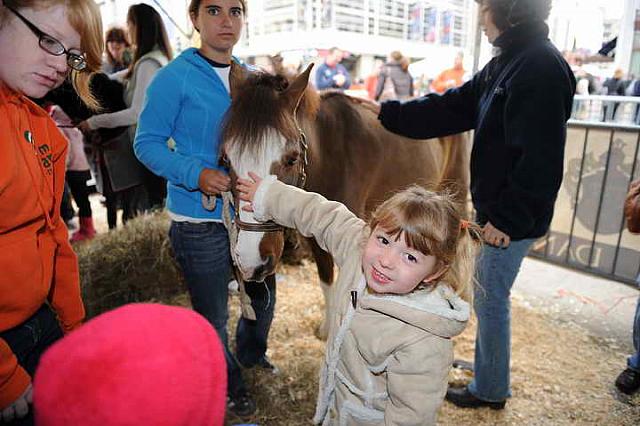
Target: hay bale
133,263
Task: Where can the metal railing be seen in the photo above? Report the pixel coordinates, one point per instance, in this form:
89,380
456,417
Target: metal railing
623,110
588,230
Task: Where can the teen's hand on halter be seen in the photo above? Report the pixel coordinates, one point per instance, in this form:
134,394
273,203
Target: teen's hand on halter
370,105
213,182
495,237
19,408
247,189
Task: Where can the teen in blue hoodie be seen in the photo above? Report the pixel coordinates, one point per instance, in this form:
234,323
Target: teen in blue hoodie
185,106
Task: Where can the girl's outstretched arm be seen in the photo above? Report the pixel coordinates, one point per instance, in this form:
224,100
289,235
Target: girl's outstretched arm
336,229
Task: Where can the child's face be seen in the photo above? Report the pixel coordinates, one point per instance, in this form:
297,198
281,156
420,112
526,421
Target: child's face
391,266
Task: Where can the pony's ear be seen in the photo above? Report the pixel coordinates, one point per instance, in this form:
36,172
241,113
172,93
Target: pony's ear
296,89
237,77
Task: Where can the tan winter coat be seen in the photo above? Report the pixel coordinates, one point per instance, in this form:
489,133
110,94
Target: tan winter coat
387,356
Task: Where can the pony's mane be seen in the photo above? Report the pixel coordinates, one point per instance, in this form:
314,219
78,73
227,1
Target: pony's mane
257,108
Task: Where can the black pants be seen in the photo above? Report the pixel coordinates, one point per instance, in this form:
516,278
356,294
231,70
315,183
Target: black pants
132,200
77,181
66,208
156,187
111,197
28,341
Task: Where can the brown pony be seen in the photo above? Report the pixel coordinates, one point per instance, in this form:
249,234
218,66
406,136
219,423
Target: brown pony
351,158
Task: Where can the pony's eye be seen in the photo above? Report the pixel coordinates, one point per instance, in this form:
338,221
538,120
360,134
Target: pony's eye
291,161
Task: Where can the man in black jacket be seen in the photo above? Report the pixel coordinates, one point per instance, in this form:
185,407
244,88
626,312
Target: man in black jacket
518,106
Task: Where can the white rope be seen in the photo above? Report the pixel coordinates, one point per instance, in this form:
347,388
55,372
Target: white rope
245,300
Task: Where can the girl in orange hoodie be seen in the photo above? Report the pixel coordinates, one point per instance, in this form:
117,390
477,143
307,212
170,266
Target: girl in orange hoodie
42,42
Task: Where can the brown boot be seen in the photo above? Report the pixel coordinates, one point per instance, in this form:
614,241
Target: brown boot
86,231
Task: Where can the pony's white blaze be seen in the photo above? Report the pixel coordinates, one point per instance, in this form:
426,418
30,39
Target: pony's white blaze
248,245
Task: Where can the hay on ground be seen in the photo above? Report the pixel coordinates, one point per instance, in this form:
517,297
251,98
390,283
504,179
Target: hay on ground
129,264
561,375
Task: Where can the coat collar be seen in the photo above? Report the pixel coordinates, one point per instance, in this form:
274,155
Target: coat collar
440,311
519,36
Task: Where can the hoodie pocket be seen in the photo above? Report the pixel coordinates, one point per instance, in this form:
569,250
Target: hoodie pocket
23,281
352,414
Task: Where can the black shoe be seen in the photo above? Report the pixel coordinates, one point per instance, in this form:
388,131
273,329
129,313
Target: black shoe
241,405
462,365
628,381
265,363
463,398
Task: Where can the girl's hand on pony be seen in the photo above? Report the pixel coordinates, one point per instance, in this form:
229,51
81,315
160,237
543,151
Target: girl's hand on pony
247,189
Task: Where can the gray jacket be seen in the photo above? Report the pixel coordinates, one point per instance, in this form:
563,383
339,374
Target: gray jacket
402,82
125,171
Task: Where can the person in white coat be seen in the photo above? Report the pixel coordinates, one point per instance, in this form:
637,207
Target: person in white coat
402,293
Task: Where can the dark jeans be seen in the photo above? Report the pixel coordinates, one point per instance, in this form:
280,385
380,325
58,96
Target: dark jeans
634,360
202,250
77,181
29,340
251,336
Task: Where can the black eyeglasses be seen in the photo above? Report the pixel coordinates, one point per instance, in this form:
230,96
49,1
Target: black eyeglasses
52,46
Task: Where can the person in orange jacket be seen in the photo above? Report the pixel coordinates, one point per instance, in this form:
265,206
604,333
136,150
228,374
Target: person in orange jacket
450,78
42,42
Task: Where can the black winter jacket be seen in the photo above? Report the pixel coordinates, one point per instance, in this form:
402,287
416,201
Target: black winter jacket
520,129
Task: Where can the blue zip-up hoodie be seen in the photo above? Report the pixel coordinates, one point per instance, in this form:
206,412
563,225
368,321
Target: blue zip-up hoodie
186,101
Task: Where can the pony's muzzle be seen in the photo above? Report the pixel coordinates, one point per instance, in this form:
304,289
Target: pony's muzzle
264,270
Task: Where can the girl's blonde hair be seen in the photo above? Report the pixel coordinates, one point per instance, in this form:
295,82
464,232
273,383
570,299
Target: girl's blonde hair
431,223
84,17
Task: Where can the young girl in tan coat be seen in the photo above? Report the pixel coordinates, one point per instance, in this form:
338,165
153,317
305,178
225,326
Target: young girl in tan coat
401,295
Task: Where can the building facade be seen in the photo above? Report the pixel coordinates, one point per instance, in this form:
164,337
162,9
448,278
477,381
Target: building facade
367,29
628,47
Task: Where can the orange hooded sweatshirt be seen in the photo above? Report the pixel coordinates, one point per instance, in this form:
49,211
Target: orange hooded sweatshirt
448,79
37,263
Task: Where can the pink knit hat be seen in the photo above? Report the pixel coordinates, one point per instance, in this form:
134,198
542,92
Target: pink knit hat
140,364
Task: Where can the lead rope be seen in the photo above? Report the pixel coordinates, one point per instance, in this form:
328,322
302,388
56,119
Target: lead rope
245,301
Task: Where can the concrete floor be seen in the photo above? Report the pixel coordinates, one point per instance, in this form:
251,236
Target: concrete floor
603,307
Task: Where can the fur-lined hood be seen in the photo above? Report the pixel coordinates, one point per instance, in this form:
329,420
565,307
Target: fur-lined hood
439,311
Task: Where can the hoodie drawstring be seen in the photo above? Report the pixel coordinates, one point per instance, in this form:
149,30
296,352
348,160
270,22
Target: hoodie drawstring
24,110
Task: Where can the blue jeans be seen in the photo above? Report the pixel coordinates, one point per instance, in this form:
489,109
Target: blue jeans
202,250
634,360
496,270
29,341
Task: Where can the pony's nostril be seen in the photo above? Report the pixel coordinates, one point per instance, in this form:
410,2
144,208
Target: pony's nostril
262,271
270,265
